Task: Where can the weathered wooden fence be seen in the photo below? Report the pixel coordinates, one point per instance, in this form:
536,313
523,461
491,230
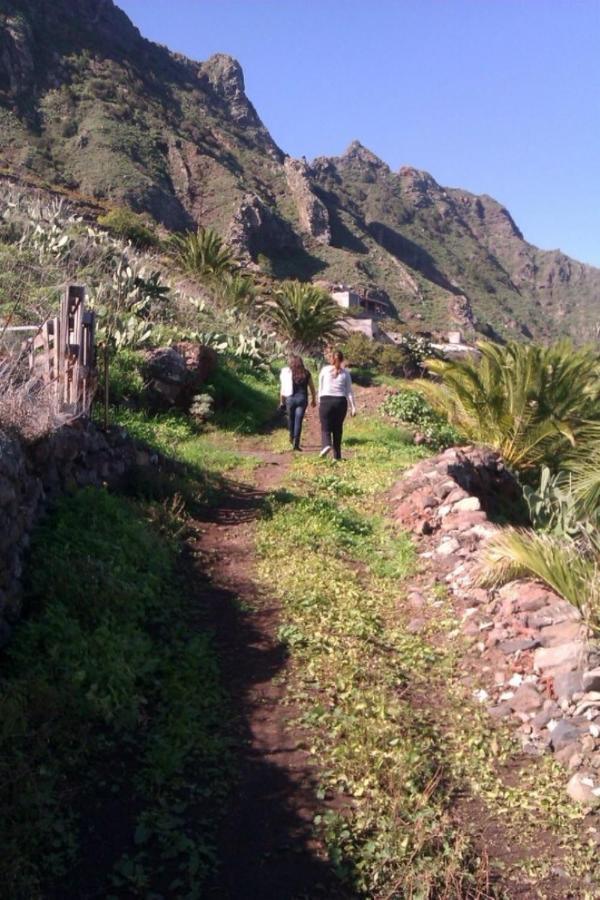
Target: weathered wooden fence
61,354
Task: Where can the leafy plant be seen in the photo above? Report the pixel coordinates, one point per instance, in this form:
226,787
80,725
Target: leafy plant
124,223
203,254
237,291
393,360
304,315
552,506
570,568
531,403
411,408
201,409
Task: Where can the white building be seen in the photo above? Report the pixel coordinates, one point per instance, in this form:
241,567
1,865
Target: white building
355,303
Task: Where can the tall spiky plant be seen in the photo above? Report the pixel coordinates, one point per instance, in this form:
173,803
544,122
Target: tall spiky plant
531,403
304,315
237,291
202,253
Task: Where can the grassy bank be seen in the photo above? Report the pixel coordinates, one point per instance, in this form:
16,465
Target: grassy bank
387,713
111,712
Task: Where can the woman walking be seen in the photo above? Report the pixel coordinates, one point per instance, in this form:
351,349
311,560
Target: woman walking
296,382
335,395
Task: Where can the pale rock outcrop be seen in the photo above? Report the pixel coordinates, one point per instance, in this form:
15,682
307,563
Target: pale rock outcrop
312,212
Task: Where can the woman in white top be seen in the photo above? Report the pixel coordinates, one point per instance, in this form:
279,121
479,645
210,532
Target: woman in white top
335,395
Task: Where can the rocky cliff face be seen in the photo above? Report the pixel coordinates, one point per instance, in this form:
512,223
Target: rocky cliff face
89,105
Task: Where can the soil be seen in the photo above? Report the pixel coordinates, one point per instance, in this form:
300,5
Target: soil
267,845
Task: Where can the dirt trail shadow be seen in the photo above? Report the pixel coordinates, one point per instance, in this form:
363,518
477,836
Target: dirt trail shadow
267,845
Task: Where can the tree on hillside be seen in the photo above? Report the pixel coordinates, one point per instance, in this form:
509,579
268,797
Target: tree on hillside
304,315
534,404
203,254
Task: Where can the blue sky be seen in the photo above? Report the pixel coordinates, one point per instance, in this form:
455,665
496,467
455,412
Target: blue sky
496,96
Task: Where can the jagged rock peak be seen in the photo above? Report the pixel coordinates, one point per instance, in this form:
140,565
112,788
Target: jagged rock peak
225,75
356,152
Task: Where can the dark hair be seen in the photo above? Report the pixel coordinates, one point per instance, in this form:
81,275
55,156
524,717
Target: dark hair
338,356
299,370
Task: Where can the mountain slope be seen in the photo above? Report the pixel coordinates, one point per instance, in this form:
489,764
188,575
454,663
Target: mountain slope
88,104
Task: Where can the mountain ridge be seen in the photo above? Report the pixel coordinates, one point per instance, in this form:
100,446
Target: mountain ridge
90,105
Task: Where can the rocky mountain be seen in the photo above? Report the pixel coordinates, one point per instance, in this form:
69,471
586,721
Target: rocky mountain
93,109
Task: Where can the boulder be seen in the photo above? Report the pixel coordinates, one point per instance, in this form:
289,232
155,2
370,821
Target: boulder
565,657
583,789
591,680
175,374
526,699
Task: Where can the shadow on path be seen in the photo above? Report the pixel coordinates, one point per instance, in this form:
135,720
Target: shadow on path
267,846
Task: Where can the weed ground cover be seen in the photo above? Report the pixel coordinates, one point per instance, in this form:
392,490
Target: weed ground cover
111,712
388,714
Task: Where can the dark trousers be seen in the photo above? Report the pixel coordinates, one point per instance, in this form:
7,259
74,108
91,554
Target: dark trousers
332,412
296,407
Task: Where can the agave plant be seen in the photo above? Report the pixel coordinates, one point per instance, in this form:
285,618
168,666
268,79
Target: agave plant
531,403
304,315
202,253
570,568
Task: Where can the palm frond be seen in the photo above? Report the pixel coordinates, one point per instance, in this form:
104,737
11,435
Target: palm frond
519,553
532,403
304,315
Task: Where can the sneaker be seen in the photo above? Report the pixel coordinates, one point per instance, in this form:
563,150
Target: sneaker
325,450
297,448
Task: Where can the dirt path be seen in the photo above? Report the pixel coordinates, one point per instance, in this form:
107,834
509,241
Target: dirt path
267,845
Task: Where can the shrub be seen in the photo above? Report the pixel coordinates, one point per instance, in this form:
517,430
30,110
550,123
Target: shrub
203,253
360,351
393,360
129,226
531,403
570,568
410,408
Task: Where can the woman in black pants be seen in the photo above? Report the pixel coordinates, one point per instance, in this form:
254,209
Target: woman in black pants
335,395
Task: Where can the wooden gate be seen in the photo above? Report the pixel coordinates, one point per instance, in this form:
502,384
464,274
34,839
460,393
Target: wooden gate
63,354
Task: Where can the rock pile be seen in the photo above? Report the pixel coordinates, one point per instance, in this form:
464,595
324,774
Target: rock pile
541,669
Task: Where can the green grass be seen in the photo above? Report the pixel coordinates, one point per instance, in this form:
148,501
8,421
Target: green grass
338,568
111,712
394,731
244,400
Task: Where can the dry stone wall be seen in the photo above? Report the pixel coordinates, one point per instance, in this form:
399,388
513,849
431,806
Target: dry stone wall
534,659
31,476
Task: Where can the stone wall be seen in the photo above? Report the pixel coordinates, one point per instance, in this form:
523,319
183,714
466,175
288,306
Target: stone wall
31,476
531,659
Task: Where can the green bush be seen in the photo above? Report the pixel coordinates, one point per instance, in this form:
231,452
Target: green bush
126,224
360,351
410,408
394,360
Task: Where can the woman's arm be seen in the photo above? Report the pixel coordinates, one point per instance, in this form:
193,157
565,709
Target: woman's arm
349,394
311,387
321,381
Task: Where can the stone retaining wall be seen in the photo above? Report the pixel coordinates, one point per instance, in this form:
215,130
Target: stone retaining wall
31,476
535,663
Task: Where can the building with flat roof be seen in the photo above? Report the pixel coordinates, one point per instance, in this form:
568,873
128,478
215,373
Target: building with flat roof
356,303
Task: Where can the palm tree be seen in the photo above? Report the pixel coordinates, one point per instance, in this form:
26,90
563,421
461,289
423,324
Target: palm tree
304,315
571,568
202,253
531,403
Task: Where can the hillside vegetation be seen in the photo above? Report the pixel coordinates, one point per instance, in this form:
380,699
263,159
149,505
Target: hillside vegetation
91,108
